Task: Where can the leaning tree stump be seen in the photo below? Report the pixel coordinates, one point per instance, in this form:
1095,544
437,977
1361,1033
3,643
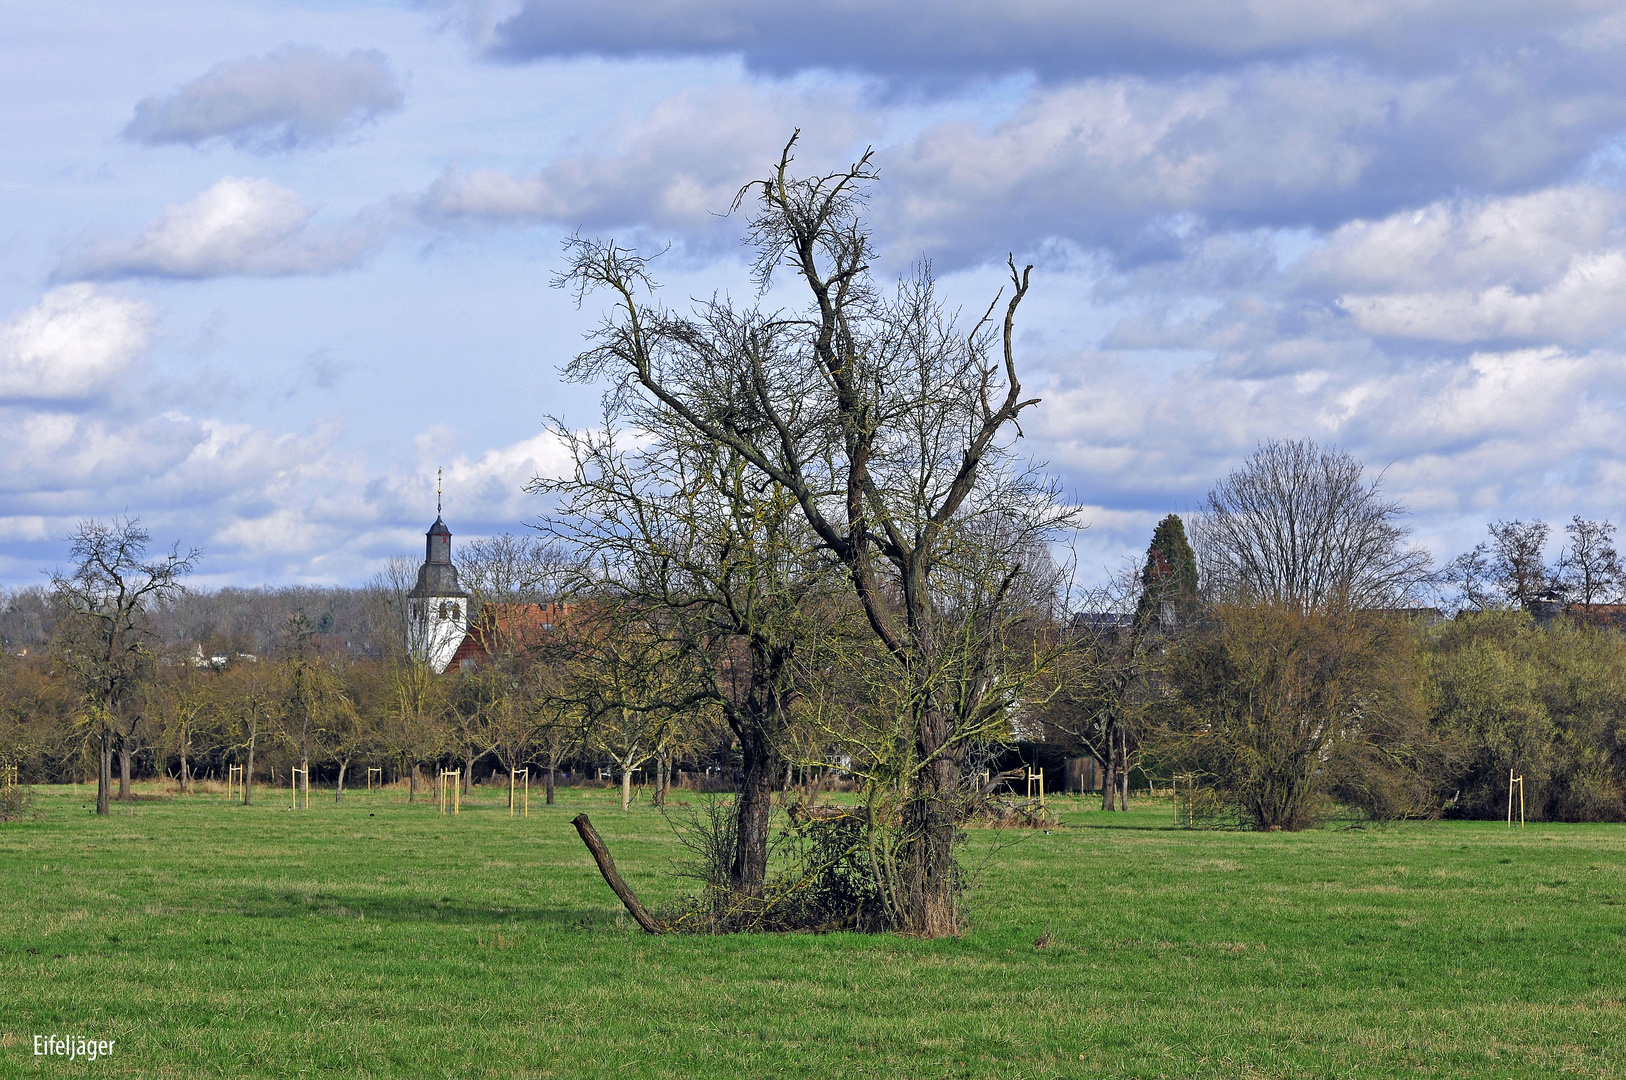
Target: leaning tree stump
612,877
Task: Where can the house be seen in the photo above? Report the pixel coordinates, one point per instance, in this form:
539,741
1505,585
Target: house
506,627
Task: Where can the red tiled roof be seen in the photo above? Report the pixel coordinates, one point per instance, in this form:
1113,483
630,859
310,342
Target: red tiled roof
500,626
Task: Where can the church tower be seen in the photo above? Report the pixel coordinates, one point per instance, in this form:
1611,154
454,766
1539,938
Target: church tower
437,608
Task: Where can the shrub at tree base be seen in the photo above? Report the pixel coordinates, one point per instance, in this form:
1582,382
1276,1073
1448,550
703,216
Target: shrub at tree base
16,803
832,877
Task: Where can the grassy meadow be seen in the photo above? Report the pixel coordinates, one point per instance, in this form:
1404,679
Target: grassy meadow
377,938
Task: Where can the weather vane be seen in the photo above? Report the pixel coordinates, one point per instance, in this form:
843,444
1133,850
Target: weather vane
437,493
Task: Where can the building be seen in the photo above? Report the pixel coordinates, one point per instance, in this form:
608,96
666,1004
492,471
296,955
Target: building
437,607
506,628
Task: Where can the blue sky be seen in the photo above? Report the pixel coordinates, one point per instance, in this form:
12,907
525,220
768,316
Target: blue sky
267,266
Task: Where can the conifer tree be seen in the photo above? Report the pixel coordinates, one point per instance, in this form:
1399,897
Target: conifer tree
1170,574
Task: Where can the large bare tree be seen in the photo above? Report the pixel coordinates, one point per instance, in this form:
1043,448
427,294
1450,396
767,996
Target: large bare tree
102,637
889,424
1301,526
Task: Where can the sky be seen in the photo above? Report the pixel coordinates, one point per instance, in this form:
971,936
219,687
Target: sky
265,267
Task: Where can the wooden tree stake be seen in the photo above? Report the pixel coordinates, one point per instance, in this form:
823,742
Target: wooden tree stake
606,866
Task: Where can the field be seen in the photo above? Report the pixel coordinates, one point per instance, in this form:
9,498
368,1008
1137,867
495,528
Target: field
376,938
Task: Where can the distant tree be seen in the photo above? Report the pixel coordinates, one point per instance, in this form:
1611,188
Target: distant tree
1267,701
1548,703
1589,570
183,694
1301,525
26,620
1518,561
1170,574
1111,661
1511,569
310,699
246,707
103,639
37,711
510,569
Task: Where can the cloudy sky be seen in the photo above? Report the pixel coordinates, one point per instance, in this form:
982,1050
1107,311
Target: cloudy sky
266,266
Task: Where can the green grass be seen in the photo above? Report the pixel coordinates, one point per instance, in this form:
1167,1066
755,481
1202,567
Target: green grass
381,939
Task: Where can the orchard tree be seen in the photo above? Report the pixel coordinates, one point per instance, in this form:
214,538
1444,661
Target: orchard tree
890,425
103,639
686,526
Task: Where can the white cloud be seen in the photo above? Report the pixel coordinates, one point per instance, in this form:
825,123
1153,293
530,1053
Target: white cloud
238,226
1547,266
1518,240
675,169
71,344
295,95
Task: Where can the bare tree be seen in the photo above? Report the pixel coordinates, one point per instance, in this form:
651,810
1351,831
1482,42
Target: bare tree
887,422
685,525
510,569
1511,569
1518,560
103,639
1300,525
1589,570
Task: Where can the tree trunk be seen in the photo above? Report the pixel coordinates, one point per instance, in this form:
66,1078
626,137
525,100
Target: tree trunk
248,773
124,770
1109,779
468,773
186,775
661,764
412,784
606,866
931,904
749,869
104,773
1123,769
305,770
338,792
626,787
553,767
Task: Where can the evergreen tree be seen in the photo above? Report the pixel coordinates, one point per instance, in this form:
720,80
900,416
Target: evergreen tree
1170,573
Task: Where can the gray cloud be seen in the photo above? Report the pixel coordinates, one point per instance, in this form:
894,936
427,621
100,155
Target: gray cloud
295,95
1119,162
1132,165
1054,38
